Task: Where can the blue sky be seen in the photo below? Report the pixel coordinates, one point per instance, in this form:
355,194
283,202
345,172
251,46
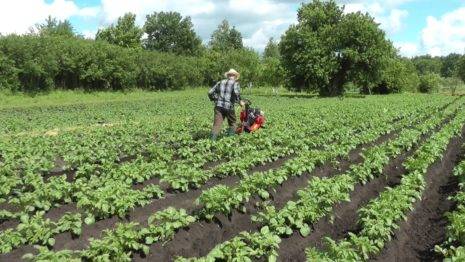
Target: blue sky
435,27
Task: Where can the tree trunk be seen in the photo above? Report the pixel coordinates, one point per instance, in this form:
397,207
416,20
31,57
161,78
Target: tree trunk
336,87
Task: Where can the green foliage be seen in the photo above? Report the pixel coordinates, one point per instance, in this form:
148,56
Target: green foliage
450,65
46,255
125,33
272,73
53,27
116,245
225,38
70,63
246,61
451,83
170,32
8,74
164,224
429,83
399,75
427,64
271,49
328,48
461,68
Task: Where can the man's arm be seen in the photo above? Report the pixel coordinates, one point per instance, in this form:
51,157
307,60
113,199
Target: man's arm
213,93
237,92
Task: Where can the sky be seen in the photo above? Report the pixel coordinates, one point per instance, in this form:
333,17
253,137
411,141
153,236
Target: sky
416,27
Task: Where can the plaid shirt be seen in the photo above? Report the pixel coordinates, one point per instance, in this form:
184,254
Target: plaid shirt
225,93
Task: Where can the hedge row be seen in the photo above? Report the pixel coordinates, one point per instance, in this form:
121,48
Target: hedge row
33,63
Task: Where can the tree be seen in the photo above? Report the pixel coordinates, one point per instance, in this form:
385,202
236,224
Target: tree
54,27
271,49
170,32
328,49
272,73
429,83
125,33
461,68
449,65
452,83
427,64
399,75
225,37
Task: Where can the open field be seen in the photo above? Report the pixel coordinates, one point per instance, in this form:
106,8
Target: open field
135,177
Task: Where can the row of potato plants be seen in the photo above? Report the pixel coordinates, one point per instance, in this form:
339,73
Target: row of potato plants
91,168
98,198
453,248
318,196
120,243
318,199
383,120
57,189
199,150
380,217
223,199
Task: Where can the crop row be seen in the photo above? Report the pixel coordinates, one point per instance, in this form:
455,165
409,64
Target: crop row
97,195
453,249
254,238
222,199
179,176
317,200
379,218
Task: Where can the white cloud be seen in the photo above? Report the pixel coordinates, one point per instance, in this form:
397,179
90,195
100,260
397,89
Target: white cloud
384,12
446,34
395,20
257,20
20,15
112,9
407,49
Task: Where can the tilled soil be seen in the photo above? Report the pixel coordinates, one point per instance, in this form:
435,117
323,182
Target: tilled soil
208,234
345,214
140,214
425,225
201,237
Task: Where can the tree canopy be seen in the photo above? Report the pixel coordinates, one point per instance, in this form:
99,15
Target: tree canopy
125,33
328,48
271,49
170,32
54,27
225,37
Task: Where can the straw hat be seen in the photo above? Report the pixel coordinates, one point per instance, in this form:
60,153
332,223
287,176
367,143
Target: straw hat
232,72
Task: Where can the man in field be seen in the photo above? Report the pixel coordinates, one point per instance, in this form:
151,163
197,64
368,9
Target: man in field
225,94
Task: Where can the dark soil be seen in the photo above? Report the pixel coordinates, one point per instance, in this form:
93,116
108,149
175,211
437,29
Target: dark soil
345,214
425,225
176,199
207,234
201,237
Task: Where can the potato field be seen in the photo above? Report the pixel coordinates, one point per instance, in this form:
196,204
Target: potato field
328,179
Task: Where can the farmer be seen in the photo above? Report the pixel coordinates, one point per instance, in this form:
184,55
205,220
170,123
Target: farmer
252,119
225,94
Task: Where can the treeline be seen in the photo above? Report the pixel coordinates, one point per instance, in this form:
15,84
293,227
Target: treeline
327,51
36,63
54,57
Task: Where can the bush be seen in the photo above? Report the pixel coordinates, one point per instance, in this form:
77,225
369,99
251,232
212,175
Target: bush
429,83
8,74
247,62
451,84
398,76
39,63
272,73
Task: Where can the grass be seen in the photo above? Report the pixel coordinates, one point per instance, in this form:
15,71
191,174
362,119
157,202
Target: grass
66,97
62,97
